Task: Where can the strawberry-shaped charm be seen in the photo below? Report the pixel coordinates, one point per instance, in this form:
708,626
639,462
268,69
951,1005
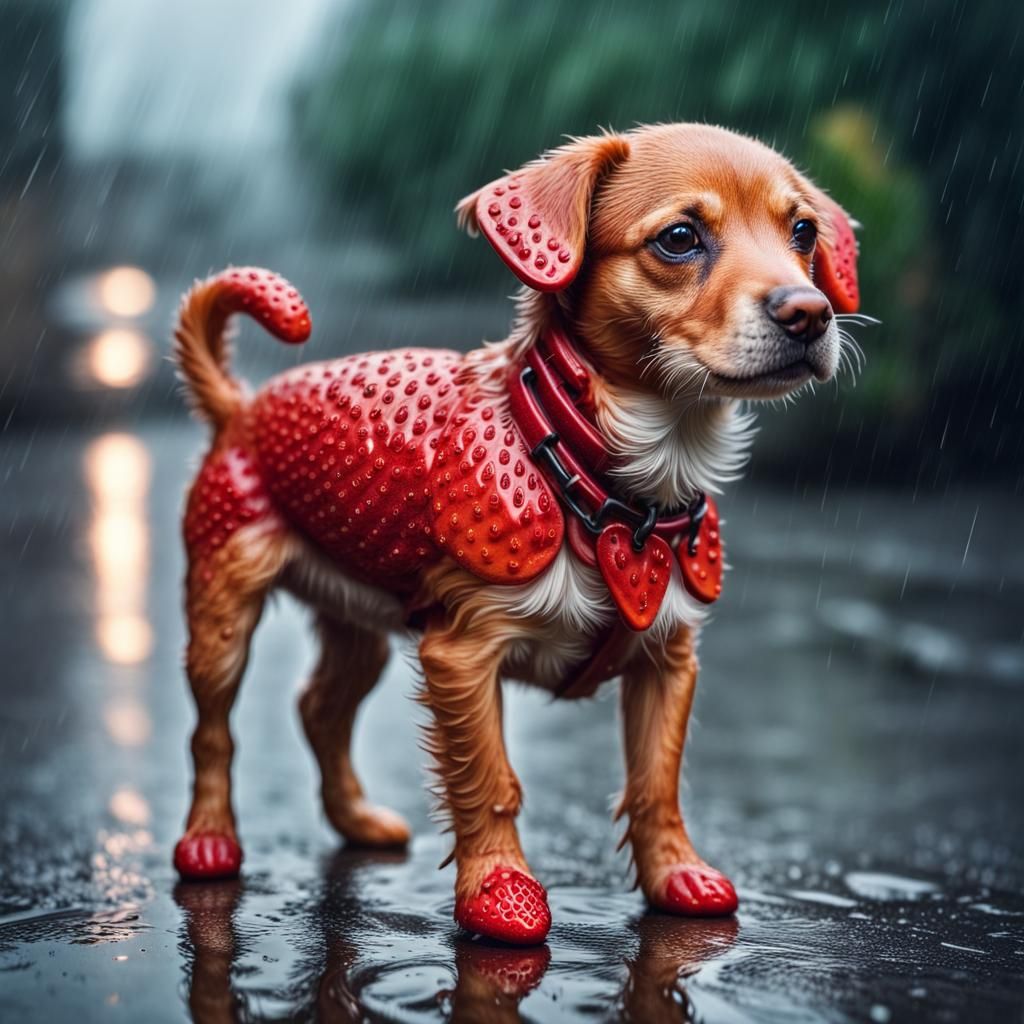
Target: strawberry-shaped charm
637,580
701,558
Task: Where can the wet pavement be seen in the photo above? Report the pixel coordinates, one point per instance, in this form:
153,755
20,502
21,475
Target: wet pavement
856,768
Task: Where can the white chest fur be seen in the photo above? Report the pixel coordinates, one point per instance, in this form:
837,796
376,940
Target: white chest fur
571,605
561,612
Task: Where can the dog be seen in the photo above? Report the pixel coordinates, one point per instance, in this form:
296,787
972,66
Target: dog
539,508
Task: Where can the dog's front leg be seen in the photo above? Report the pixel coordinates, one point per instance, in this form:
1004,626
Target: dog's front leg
656,700
495,894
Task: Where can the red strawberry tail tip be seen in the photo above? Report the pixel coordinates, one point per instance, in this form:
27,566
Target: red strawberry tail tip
207,857
268,298
698,892
510,907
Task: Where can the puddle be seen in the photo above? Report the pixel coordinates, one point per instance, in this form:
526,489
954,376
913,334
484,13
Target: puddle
877,886
365,937
825,898
840,795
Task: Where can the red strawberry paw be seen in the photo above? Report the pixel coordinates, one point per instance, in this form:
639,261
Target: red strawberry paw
510,907
207,856
698,892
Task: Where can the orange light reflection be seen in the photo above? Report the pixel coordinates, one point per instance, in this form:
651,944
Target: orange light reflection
117,470
129,806
128,723
119,357
126,291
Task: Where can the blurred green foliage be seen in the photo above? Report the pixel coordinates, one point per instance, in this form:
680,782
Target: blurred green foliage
910,113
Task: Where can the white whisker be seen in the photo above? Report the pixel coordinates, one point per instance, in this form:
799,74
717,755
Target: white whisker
861,319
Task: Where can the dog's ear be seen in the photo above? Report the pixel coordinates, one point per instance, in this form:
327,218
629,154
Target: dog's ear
835,260
536,218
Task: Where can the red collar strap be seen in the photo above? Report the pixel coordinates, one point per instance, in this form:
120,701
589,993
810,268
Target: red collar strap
631,543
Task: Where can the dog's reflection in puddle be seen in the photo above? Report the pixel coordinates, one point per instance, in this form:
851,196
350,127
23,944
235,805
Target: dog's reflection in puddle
211,944
339,981
671,950
491,981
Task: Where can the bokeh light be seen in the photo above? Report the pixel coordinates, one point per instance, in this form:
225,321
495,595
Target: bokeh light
126,292
117,470
128,722
129,806
119,357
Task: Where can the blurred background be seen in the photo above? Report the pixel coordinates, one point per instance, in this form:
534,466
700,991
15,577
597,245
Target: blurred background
333,142
862,784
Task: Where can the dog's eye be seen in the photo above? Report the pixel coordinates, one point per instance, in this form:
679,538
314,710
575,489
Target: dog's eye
676,241
805,234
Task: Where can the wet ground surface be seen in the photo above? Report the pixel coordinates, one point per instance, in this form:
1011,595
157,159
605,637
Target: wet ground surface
856,768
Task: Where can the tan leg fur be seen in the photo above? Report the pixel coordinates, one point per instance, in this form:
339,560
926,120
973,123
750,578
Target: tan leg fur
225,597
461,657
351,660
656,701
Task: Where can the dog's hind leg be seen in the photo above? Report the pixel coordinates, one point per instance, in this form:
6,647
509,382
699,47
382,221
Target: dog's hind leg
656,701
351,661
226,590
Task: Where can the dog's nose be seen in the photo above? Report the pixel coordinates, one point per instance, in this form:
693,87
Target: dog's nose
803,313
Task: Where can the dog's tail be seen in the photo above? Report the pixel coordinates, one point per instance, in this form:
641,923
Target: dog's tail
202,342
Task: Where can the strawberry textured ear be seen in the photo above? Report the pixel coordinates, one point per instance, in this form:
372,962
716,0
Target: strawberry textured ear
835,262
536,218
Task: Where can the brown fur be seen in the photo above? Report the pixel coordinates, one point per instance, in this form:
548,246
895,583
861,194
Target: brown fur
748,195
224,602
617,193
351,661
202,351
656,702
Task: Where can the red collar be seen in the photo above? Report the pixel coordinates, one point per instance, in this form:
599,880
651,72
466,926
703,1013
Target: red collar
549,399
546,392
